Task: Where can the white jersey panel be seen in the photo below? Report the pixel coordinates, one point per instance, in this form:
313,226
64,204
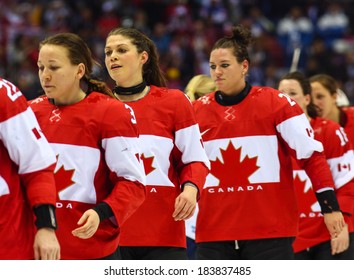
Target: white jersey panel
159,148
188,141
298,133
123,158
342,168
4,187
251,146
73,159
27,148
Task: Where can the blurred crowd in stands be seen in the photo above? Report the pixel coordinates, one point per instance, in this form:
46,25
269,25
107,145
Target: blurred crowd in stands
184,31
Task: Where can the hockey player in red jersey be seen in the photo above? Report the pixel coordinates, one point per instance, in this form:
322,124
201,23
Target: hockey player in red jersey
175,162
324,95
313,240
27,186
99,175
198,86
248,207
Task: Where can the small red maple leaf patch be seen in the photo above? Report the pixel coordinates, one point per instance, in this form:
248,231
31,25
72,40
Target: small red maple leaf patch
63,178
148,164
231,171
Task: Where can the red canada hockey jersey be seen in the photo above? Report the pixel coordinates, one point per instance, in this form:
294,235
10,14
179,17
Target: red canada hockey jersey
26,173
349,123
249,193
96,143
173,154
340,157
349,129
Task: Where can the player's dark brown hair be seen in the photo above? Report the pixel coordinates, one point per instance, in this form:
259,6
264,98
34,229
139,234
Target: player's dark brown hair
152,73
326,81
238,41
79,52
305,85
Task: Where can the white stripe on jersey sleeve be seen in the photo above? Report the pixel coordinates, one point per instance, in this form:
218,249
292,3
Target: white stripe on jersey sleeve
295,132
25,149
188,141
342,168
121,157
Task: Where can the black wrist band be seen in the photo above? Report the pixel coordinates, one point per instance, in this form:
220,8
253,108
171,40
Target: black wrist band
45,216
104,211
328,201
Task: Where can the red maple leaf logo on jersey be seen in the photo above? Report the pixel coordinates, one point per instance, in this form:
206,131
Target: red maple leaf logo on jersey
231,171
63,178
305,197
148,164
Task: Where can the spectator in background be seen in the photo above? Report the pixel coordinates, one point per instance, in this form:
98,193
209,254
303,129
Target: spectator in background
27,185
56,16
201,39
333,24
295,30
108,19
323,59
320,57
259,23
86,19
215,12
179,17
313,240
161,38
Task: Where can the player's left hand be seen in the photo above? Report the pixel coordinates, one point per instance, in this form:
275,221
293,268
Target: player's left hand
90,222
185,203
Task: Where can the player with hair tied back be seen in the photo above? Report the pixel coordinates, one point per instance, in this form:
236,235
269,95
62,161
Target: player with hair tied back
313,240
27,185
248,207
174,158
100,179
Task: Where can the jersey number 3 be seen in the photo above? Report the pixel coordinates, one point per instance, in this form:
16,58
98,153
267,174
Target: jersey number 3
133,119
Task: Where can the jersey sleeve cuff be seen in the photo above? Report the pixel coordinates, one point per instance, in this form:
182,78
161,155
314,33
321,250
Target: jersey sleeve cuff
328,201
103,210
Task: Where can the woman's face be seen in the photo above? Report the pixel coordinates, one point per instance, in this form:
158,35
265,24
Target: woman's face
293,88
59,78
323,99
124,63
227,74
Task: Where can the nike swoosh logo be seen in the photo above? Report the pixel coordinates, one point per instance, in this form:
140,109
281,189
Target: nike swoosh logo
205,131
